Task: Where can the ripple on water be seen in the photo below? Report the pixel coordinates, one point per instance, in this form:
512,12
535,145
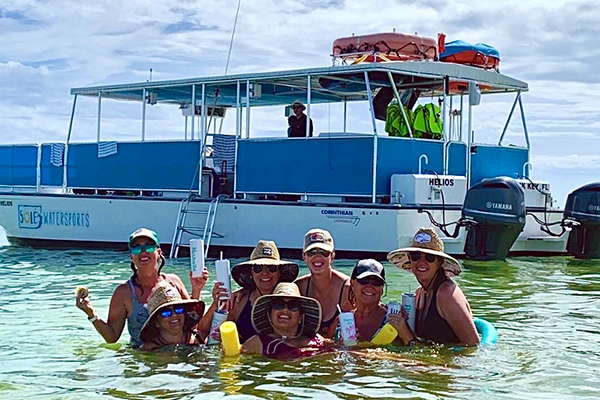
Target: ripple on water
546,312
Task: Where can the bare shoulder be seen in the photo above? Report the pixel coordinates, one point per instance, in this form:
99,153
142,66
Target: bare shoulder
122,292
302,282
342,276
449,290
253,345
175,279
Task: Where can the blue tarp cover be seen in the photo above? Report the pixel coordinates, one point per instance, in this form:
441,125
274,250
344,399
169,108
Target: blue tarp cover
458,46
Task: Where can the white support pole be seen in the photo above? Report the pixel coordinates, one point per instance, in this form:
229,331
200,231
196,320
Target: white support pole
397,96
370,97
202,137
345,113
308,100
460,128
247,109
469,143
237,135
193,110
144,114
66,155
445,127
99,116
186,125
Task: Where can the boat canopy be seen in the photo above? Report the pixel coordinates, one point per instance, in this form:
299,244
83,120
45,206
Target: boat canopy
329,84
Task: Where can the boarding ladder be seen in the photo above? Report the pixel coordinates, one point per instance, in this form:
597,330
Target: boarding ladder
206,233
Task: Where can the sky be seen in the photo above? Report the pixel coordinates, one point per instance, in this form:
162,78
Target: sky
50,46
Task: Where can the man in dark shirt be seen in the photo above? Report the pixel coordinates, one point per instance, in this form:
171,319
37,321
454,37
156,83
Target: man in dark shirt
297,122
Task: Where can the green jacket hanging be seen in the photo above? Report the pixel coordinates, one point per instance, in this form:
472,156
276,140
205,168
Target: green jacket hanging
395,124
427,123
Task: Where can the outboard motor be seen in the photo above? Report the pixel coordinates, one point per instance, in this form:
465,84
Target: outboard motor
497,208
583,207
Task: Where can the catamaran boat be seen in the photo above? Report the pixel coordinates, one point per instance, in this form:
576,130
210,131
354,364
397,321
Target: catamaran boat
370,189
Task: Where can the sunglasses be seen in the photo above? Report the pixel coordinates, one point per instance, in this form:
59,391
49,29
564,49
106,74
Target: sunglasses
169,311
416,256
257,269
148,248
292,305
371,280
314,252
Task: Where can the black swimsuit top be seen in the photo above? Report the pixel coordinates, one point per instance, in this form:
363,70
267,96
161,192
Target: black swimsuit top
433,327
325,325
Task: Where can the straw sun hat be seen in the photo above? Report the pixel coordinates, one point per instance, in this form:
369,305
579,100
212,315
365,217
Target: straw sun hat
311,310
164,296
426,240
265,253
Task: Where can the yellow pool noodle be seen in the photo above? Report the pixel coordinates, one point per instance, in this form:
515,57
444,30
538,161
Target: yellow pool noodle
230,339
386,335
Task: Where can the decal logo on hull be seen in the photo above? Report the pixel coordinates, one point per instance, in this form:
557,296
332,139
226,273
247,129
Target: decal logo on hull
32,217
341,216
6,203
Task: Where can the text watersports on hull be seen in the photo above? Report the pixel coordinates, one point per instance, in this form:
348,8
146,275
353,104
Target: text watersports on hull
370,189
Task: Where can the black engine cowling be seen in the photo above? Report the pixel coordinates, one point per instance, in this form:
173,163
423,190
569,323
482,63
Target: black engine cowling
497,206
583,206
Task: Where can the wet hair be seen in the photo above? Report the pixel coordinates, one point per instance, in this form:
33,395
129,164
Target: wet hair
134,277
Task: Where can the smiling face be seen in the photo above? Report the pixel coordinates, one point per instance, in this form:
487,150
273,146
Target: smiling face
266,279
318,261
366,292
425,270
173,324
284,320
145,260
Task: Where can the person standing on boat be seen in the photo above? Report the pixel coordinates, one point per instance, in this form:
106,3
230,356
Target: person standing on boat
172,319
128,300
297,122
257,277
443,312
328,286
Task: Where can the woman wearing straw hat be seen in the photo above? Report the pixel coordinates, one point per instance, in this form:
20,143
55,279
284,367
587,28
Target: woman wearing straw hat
443,312
287,324
128,300
328,286
257,277
172,319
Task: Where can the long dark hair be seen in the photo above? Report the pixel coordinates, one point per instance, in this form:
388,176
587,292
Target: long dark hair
134,278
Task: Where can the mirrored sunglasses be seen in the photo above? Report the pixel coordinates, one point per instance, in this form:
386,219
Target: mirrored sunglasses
148,248
416,256
371,280
292,305
314,252
166,313
257,269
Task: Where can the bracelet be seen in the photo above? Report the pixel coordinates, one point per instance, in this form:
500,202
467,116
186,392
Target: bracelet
93,318
412,342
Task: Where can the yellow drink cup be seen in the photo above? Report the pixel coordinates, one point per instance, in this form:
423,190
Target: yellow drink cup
386,335
230,339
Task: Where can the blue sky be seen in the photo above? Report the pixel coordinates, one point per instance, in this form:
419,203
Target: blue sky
50,46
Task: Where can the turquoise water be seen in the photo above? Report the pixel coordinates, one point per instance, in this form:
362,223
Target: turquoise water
547,311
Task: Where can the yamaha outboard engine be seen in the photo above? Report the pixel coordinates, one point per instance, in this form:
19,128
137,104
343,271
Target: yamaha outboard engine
583,206
497,207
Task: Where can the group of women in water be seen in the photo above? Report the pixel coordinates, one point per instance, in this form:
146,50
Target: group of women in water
278,313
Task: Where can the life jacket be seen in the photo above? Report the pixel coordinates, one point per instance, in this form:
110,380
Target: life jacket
394,121
427,123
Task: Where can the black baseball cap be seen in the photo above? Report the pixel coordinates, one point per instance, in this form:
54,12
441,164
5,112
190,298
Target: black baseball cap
368,267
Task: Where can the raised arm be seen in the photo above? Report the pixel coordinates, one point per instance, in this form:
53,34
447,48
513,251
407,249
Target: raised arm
117,313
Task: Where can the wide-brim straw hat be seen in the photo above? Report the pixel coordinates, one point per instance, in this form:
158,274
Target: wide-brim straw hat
164,296
311,310
426,240
265,253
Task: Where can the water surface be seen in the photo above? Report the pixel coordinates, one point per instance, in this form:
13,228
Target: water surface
547,311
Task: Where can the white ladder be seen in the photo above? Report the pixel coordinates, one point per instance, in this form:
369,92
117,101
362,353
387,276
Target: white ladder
209,223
